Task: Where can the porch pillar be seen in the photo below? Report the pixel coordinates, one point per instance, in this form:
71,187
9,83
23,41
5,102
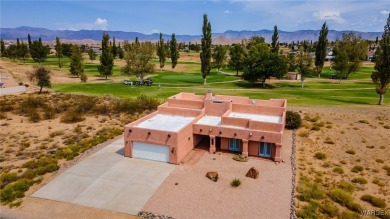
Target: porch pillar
244,147
212,144
278,153
128,148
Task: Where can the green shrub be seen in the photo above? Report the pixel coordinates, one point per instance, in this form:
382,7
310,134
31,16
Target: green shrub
309,211
56,133
47,169
14,190
350,215
240,158
328,141
83,77
346,186
338,170
7,178
320,156
357,169
377,202
350,151
378,182
293,120
387,168
344,198
49,112
304,133
379,160
359,180
308,191
315,127
235,183
329,209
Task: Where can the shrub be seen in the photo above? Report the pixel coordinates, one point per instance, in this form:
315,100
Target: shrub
350,151
338,170
328,141
15,190
350,215
7,178
342,197
359,180
240,158
363,121
72,116
320,156
315,127
386,126
56,133
329,209
357,169
377,202
235,183
47,169
83,77
304,133
387,168
293,120
378,182
379,160
346,186
308,191
308,211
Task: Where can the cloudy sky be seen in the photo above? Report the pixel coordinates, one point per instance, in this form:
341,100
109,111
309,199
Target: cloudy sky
185,17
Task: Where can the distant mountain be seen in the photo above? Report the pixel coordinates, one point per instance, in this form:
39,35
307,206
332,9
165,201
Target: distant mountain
226,37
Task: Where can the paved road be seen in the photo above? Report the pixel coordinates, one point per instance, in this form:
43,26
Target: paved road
12,90
107,180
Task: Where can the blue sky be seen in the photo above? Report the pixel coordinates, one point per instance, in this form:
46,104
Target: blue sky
185,17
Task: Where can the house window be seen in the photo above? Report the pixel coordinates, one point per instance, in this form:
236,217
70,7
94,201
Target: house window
234,144
265,149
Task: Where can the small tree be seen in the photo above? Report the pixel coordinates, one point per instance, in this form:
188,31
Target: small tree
161,52
38,51
76,62
22,51
292,63
138,59
219,56
91,54
275,42
2,47
114,48
29,41
106,58
41,76
237,57
59,54
175,55
304,65
321,49
205,54
381,75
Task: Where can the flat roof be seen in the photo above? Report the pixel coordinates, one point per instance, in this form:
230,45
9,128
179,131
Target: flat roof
166,122
257,117
210,120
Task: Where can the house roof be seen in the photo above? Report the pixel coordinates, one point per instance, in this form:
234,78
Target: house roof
166,122
257,117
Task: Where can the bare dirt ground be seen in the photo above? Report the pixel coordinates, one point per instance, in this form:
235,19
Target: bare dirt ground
349,137
195,196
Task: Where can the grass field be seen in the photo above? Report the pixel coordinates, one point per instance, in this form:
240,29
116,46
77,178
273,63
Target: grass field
356,90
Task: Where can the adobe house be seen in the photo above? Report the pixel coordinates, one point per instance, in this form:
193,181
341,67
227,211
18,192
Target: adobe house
233,123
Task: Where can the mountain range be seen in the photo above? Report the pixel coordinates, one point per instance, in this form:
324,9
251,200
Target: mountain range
226,37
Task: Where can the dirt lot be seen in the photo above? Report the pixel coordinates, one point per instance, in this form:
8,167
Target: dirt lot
355,142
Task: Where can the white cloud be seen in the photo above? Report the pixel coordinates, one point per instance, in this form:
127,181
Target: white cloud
227,12
155,31
328,15
385,12
101,21
99,24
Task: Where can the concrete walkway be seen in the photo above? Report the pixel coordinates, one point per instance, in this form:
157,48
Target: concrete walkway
12,90
108,180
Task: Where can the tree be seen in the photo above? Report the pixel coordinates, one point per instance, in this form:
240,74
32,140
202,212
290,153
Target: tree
321,49
161,52
38,51
175,55
304,66
23,51
76,62
341,64
291,62
261,64
205,54
219,56
114,48
381,75
121,53
29,41
91,54
59,54
138,59
275,42
106,59
237,57
41,76
12,52
2,47
355,48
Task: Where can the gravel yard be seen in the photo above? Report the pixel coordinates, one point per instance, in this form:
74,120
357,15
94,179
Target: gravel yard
195,196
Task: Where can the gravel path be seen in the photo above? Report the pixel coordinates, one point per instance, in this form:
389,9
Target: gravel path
195,196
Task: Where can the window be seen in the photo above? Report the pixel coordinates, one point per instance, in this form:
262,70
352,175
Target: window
234,144
265,149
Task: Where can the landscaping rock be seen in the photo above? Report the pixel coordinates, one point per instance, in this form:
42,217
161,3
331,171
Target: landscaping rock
253,173
212,175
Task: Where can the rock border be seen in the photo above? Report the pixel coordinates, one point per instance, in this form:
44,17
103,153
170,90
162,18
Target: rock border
293,170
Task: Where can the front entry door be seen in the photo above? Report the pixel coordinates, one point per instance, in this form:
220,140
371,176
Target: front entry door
265,149
234,144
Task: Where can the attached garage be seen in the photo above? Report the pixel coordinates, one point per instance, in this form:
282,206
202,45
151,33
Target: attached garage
151,151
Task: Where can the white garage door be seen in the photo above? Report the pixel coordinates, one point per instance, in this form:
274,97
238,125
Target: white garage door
151,151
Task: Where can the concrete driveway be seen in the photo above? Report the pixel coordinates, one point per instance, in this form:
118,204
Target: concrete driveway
108,180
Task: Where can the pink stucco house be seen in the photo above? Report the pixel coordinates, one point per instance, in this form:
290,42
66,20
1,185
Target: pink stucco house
233,123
